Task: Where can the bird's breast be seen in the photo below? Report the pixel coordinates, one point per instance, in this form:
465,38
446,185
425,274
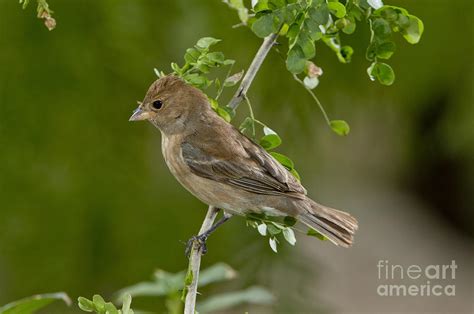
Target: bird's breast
208,191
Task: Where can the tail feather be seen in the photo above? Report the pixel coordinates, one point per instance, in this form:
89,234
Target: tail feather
338,226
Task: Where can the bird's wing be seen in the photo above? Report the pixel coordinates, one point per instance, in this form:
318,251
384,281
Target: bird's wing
237,161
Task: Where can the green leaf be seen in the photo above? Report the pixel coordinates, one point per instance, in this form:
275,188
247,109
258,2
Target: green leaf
273,244
206,42
340,127
192,55
284,160
126,304
223,302
349,25
413,32
381,28
270,141
295,62
307,45
224,114
273,230
263,26
337,8
262,229
110,308
314,233
345,54
385,50
85,304
197,80
383,72
261,5
268,131
319,14
215,58
289,236
99,302
214,103
289,221
34,303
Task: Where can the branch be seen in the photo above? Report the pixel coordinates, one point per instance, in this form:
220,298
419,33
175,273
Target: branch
257,61
195,256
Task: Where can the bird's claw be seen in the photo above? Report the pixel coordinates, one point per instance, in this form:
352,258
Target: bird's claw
200,241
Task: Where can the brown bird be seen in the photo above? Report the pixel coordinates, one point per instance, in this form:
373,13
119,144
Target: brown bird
223,168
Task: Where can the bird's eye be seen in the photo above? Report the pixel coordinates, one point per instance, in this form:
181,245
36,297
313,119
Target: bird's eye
157,104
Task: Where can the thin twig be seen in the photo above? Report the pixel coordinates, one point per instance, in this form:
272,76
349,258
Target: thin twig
195,256
257,61
316,99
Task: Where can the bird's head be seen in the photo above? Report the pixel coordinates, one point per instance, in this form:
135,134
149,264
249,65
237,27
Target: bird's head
170,104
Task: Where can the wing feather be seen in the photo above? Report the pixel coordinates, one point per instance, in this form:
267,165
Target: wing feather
248,166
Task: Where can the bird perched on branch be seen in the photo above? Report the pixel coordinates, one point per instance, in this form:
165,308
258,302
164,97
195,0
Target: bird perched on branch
223,168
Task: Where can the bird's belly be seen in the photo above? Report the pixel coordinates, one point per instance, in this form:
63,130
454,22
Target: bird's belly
208,191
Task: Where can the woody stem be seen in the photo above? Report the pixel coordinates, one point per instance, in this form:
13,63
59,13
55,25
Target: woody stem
239,96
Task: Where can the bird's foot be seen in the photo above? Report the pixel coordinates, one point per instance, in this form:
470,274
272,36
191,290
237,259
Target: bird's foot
199,241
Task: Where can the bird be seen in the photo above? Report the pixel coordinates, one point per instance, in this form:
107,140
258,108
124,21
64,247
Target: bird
224,168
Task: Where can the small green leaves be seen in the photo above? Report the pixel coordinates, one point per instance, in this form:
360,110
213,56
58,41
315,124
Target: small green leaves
412,33
262,229
306,22
224,114
295,62
273,244
337,9
382,72
206,42
284,160
99,306
274,229
263,26
270,140
289,236
200,61
340,127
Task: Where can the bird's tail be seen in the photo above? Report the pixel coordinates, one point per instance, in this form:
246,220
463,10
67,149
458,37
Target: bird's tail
338,226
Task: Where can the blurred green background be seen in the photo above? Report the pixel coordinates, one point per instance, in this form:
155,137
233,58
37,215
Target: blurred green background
88,206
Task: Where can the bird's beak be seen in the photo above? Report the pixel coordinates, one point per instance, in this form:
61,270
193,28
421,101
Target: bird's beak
139,114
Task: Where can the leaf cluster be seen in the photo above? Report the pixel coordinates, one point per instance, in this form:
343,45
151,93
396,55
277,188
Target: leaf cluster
276,228
99,306
305,22
383,22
